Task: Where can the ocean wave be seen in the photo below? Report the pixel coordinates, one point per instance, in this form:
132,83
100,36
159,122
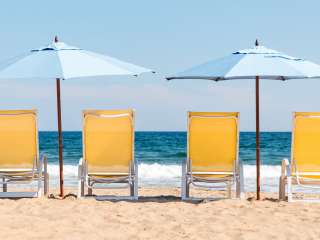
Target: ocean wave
266,171
178,155
156,174
156,170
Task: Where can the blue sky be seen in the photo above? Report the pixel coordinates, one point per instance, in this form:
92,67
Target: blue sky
167,36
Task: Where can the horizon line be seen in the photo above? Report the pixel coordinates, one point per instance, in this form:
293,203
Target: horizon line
252,131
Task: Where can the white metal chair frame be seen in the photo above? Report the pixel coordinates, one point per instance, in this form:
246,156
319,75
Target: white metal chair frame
236,176
289,179
38,173
129,179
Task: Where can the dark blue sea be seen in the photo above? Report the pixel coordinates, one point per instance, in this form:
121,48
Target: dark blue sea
160,155
170,147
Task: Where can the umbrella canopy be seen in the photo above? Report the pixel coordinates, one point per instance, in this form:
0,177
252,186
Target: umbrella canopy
255,63
249,63
61,61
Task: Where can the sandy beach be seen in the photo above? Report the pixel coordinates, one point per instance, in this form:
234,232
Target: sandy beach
159,214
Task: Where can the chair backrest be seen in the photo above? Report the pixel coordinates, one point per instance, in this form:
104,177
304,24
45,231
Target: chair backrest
213,141
18,139
108,140
306,142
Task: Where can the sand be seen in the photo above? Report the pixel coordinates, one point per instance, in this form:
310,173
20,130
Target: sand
159,214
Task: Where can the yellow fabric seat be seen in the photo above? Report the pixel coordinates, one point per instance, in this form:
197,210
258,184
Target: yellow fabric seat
212,150
18,141
108,148
19,156
304,165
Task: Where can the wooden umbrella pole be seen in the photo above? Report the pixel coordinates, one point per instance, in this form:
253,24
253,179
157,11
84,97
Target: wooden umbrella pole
258,137
59,131
60,136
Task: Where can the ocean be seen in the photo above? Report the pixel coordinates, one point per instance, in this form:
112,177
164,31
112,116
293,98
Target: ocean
160,155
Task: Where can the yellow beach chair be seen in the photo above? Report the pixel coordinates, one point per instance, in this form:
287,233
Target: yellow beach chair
19,155
212,159
108,152
304,167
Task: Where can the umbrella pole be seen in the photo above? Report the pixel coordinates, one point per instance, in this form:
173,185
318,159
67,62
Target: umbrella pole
258,137
60,136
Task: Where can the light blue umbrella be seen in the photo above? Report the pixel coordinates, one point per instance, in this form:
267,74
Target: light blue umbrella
255,63
61,61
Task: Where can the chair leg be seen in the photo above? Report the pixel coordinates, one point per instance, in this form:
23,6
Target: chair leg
289,186
136,194
46,184
240,192
90,192
282,189
183,189
39,186
4,186
229,185
80,179
46,177
136,179
282,180
238,188
132,189
184,183
80,188
41,176
187,191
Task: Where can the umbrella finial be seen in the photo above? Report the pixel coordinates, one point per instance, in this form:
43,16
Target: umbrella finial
56,39
257,43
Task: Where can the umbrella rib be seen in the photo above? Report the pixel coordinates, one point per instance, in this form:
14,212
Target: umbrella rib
302,73
7,62
241,59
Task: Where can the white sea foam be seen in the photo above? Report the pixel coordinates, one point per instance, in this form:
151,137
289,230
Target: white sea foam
170,175
69,170
158,174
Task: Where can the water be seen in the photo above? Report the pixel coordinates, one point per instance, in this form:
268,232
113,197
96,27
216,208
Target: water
160,155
